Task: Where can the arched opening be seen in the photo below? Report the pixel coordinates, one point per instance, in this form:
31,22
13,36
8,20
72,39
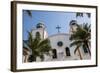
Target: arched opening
37,33
54,52
67,51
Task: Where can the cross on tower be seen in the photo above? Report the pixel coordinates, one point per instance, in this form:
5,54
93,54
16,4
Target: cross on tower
58,27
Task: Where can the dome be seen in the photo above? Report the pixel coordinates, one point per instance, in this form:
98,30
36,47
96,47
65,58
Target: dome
40,25
73,22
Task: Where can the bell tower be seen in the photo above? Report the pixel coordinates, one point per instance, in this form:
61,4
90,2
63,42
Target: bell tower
40,28
73,26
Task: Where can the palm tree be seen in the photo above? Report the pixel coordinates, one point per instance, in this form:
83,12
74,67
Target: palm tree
79,14
28,12
38,46
81,38
82,14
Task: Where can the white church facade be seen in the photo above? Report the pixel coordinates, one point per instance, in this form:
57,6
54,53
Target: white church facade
60,44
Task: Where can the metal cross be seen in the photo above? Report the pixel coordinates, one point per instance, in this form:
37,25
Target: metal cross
58,27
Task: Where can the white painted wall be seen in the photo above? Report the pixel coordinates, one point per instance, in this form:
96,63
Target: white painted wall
54,39
61,52
5,38
42,32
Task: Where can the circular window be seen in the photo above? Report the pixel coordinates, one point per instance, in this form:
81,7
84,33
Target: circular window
60,43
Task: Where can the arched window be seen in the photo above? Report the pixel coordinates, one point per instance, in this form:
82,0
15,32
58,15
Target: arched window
37,34
67,51
54,52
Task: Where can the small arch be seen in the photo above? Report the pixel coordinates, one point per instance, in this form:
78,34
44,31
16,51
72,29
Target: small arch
37,32
67,51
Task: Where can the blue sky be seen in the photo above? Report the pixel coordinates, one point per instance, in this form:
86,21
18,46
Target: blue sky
50,19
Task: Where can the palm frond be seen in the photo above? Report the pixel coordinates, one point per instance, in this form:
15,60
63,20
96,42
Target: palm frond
89,15
81,36
79,14
75,43
29,13
38,46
